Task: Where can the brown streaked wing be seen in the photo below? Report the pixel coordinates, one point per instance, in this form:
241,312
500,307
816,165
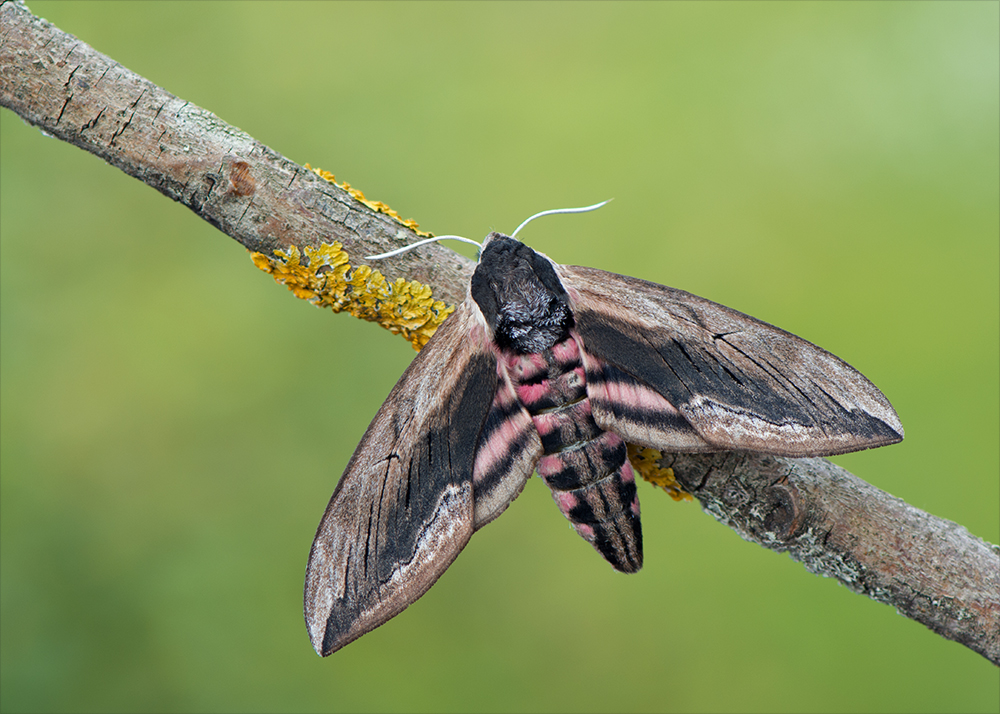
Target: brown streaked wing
739,382
404,507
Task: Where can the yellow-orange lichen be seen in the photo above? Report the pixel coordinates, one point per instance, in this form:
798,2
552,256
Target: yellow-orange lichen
646,462
376,206
326,278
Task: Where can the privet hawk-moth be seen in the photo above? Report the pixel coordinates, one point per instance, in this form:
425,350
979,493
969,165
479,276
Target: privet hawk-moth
554,368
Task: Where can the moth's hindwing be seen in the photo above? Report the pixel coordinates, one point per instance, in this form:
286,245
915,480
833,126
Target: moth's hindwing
508,448
673,371
405,505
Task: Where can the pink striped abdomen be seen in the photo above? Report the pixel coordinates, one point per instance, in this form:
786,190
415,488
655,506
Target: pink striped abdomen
587,468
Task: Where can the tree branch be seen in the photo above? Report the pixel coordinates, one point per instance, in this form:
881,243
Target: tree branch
931,570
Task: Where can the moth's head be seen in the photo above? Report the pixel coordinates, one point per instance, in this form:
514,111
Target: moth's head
520,296
502,253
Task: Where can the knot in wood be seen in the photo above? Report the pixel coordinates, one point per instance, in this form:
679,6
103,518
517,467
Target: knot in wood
782,515
241,179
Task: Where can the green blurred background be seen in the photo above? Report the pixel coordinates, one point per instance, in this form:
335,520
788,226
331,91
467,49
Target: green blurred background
173,422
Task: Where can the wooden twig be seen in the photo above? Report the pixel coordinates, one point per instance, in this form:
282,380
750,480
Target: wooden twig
931,570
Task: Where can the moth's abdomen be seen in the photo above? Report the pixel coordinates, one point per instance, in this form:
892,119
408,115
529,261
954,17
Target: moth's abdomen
587,468
604,508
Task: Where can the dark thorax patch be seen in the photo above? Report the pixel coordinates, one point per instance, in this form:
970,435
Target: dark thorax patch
520,296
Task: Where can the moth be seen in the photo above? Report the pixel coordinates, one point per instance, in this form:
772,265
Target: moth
555,368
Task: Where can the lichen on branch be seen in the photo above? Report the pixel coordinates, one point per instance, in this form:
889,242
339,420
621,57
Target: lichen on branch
325,277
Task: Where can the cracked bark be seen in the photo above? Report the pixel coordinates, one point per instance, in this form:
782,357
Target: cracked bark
929,569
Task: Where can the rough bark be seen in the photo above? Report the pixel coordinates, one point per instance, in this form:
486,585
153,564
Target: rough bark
931,570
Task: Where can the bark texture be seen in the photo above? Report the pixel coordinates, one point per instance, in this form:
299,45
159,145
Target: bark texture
931,570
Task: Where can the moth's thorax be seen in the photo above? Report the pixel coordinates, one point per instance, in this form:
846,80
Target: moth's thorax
520,296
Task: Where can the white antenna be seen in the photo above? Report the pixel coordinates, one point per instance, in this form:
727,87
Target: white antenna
559,210
479,245
419,243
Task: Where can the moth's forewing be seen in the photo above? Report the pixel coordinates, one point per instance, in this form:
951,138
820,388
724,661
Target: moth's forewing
738,382
404,507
